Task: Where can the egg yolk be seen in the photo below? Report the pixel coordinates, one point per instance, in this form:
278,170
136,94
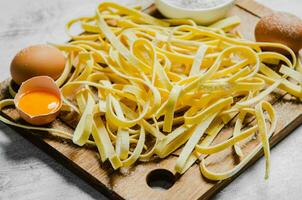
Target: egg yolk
38,102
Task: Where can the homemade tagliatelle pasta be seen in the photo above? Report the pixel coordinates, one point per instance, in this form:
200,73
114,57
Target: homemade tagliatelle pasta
144,87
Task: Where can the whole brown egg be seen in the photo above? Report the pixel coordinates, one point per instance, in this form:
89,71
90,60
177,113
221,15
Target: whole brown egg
37,60
280,27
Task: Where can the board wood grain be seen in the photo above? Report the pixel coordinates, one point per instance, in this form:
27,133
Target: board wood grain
131,183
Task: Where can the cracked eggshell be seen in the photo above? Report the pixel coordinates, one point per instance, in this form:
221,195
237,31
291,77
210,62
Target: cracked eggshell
39,83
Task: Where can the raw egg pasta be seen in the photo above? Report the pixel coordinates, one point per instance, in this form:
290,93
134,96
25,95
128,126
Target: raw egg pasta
144,87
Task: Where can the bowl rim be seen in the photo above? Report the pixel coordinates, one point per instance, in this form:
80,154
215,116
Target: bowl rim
228,2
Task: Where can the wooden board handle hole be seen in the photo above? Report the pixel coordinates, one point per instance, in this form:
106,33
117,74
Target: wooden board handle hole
160,179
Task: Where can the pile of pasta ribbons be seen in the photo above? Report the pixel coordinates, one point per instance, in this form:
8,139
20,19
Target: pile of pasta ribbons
143,87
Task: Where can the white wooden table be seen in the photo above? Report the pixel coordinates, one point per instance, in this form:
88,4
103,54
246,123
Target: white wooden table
28,173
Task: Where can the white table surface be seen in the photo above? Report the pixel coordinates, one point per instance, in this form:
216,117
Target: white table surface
28,173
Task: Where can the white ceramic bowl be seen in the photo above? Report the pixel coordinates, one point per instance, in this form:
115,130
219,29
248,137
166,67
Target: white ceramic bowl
202,16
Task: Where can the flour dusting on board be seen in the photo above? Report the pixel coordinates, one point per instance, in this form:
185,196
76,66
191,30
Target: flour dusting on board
196,4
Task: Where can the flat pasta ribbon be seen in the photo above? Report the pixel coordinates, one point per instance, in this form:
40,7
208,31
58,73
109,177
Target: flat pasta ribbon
142,87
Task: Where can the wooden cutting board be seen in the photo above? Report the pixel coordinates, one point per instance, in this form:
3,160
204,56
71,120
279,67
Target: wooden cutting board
133,183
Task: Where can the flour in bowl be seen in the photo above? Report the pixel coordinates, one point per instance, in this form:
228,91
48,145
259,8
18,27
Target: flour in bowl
196,4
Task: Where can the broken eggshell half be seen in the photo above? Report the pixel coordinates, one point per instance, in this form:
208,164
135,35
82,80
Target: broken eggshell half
38,83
